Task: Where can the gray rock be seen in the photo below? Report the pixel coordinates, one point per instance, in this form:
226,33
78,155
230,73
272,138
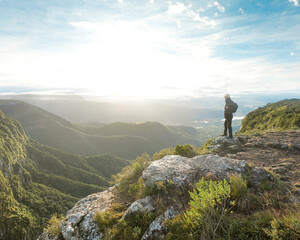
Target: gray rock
182,171
257,175
156,229
144,205
211,147
225,141
79,222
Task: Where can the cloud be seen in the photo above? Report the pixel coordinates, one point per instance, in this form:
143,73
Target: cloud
197,18
180,8
177,8
295,2
151,1
219,7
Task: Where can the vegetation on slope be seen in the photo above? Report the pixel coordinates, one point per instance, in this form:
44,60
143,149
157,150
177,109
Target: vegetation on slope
282,115
120,139
224,210
37,181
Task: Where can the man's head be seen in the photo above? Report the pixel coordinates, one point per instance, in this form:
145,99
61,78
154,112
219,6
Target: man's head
227,96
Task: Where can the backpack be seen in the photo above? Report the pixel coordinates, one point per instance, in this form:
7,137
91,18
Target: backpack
233,107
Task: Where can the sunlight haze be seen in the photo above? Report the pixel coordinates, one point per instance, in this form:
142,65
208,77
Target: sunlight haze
150,49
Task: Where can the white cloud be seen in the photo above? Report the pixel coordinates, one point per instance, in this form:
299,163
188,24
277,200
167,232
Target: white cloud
197,18
120,1
295,2
180,8
178,24
151,1
177,8
241,11
219,7
292,53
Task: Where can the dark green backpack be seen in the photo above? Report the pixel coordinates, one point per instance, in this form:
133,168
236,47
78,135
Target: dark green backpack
233,107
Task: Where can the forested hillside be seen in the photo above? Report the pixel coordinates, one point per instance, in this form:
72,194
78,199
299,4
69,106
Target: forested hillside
120,139
282,115
37,181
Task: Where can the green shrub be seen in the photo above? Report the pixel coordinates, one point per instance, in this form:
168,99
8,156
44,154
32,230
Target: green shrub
133,227
177,229
129,186
185,151
285,226
240,193
248,227
162,153
53,226
210,203
203,150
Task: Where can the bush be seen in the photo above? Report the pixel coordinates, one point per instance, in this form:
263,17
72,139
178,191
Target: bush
129,186
53,227
241,194
178,229
133,227
210,203
285,226
109,218
185,151
162,153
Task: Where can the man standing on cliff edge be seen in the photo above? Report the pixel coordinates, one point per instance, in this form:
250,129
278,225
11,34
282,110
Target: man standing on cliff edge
229,109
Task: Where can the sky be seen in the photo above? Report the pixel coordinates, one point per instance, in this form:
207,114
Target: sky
143,49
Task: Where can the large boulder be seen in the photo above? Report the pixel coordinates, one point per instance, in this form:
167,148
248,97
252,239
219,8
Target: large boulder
182,171
79,222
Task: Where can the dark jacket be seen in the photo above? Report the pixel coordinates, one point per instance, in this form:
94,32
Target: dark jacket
227,108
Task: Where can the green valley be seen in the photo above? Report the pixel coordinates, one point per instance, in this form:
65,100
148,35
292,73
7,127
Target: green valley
125,140
37,181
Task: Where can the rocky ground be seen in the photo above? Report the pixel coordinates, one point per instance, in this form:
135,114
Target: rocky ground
278,152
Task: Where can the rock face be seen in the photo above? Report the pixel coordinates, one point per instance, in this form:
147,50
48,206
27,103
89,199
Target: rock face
79,223
181,171
156,229
144,205
178,171
79,220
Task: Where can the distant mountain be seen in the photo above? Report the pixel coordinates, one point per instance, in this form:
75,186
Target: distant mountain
37,181
278,116
76,109
126,140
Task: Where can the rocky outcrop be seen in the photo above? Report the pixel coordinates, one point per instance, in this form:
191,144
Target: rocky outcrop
156,229
181,171
79,222
140,206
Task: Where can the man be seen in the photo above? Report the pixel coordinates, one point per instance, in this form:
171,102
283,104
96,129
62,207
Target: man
228,110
